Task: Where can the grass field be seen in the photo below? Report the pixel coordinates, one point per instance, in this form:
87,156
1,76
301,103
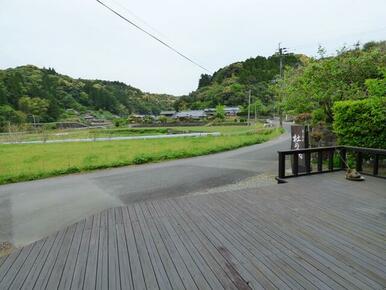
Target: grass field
117,132
81,133
21,162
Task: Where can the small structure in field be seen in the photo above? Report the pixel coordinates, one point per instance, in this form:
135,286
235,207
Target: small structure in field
229,111
93,121
168,114
193,114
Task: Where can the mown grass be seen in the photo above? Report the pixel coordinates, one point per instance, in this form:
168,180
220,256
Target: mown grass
24,162
117,132
81,134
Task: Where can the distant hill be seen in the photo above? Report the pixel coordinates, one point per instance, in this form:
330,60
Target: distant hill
229,85
28,90
50,96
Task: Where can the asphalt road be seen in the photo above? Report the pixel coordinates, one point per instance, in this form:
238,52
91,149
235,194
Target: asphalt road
32,210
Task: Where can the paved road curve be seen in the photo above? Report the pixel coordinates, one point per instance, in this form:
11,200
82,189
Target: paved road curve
32,210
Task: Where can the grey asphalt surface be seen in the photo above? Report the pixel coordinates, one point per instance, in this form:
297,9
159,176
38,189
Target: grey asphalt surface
32,210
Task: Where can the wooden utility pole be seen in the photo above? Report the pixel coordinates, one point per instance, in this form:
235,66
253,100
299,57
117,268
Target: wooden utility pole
282,51
255,112
249,108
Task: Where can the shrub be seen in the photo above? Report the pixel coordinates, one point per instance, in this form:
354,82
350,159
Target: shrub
361,123
303,118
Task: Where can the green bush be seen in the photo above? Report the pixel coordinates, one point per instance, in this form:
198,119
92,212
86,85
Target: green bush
361,123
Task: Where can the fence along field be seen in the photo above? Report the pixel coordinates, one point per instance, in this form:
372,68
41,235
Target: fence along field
22,162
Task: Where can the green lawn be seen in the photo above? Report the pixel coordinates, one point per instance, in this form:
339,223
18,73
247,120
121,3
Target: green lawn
81,134
119,132
20,162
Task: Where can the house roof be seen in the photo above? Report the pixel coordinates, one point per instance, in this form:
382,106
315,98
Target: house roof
232,109
191,114
167,112
226,109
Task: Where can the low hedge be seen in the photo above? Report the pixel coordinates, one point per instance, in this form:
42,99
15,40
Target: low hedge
361,122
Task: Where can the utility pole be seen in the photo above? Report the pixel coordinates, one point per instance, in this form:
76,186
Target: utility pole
249,108
282,51
255,112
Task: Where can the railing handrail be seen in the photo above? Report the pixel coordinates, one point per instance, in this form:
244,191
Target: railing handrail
353,148
311,150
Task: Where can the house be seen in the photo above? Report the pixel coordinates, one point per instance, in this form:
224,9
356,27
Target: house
229,111
193,114
168,114
210,111
91,120
88,117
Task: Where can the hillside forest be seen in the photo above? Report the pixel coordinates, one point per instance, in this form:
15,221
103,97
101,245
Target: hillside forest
311,89
50,96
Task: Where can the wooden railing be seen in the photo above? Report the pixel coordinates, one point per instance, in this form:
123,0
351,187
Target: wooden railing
328,153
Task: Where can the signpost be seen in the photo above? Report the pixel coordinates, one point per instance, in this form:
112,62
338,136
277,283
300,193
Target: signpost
299,140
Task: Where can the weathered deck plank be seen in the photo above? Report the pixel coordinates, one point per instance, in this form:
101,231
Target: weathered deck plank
39,263
18,263
173,252
312,233
147,267
135,263
92,261
174,278
69,269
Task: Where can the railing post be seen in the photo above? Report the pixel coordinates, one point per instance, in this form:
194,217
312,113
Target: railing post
331,160
343,158
359,160
376,165
321,153
281,165
320,161
308,161
296,164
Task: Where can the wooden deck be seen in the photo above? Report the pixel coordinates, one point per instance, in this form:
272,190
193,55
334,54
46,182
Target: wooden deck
315,232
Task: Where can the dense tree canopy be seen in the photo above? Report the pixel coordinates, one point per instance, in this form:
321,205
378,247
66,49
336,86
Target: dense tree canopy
315,87
229,85
29,90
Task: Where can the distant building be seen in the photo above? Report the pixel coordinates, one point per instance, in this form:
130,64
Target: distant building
88,117
137,116
229,111
210,111
168,114
94,121
193,114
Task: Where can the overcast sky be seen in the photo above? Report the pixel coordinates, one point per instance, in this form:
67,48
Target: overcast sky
83,39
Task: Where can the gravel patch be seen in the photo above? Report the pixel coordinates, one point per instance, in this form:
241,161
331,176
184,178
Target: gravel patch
257,181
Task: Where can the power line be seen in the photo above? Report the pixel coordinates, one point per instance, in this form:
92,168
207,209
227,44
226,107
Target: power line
141,20
151,35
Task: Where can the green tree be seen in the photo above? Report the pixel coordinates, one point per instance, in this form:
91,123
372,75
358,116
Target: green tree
204,81
34,106
377,87
320,83
258,107
163,119
220,112
10,116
